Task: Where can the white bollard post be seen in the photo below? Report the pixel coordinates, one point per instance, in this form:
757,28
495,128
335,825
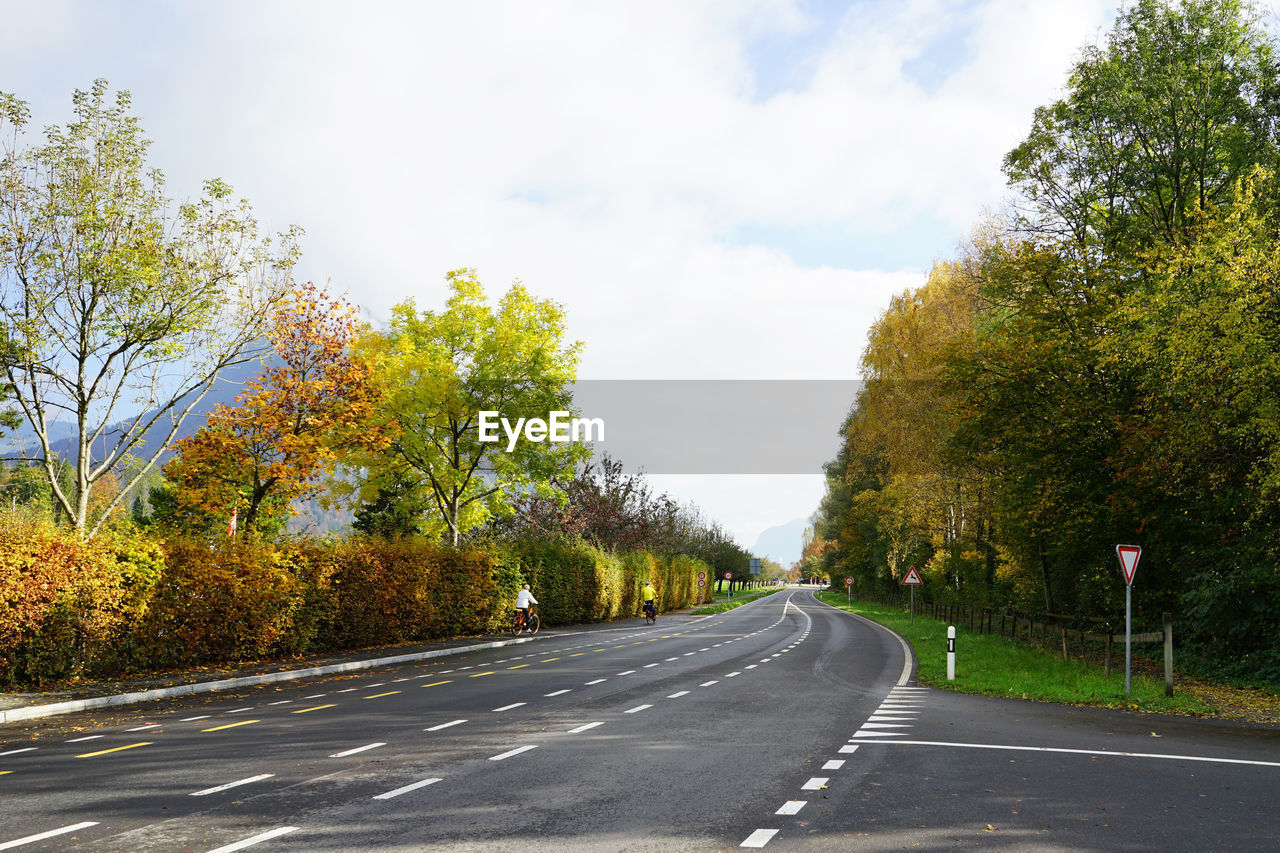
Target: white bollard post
951,653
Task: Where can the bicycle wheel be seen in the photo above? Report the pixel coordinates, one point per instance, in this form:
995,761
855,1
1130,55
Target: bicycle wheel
534,623
517,626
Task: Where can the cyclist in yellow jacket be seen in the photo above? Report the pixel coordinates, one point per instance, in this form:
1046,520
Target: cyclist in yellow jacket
647,595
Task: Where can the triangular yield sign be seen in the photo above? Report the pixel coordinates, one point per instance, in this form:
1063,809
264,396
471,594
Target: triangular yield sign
1129,555
912,578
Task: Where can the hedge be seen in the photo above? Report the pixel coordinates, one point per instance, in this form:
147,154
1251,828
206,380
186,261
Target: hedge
122,603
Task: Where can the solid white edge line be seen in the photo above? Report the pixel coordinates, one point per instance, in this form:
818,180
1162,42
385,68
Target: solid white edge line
1115,753
511,752
759,838
53,833
580,729
235,784
406,789
367,746
257,839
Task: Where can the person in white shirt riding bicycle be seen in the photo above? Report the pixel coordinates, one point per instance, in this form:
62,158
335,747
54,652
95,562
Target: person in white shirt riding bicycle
524,599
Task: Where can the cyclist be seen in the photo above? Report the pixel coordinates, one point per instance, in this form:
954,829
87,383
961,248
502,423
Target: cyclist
524,599
647,595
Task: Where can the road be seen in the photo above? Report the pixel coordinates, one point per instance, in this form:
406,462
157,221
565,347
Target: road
783,725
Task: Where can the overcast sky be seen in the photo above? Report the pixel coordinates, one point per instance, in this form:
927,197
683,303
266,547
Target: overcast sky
713,190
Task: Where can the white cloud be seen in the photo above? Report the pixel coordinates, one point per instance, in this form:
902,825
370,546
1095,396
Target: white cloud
608,154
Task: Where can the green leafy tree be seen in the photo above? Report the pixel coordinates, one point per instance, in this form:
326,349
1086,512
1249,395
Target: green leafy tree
439,370
121,307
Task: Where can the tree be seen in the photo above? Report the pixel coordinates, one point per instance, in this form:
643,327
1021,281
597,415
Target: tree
290,425
1179,105
440,369
121,309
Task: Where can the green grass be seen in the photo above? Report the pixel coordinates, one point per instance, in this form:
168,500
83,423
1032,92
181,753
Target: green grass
992,665
725,603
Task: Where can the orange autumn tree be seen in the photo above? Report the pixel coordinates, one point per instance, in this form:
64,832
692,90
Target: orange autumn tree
288,428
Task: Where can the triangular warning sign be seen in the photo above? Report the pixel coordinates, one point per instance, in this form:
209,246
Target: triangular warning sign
1129,555
912,578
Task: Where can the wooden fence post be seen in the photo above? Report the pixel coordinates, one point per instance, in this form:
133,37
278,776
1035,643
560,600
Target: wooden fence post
1168,654
1106,667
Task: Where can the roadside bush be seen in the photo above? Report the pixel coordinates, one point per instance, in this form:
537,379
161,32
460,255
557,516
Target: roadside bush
66,605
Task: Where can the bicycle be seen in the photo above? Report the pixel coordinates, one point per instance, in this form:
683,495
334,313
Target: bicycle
531,625
650,614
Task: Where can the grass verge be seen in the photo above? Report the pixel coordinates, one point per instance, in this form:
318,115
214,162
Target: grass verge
737,601
992,665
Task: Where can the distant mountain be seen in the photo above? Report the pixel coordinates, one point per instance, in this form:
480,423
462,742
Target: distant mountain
229,383
782,542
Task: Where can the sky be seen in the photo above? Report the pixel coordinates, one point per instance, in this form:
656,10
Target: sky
729,189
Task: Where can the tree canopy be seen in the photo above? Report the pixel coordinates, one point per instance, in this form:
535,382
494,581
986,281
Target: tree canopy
120,306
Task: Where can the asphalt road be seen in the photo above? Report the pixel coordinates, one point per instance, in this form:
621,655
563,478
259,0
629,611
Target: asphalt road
783,724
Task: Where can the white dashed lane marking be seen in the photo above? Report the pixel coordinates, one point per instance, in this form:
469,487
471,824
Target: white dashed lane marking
256,839
406,789
207,791
53,833
759,838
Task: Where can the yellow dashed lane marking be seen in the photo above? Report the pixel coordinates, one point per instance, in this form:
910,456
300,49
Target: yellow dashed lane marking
438,683
232,725
518,666
316,708
380,695
577,654
548,660
114,749
479,674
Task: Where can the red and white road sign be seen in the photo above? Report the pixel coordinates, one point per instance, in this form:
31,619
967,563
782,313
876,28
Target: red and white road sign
702,576
848,581
1129,556
912,578
728,576
701,582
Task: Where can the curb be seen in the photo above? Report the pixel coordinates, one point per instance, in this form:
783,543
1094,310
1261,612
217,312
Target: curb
31,712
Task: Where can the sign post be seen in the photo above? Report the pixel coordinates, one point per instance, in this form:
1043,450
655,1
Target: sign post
951,653
729,577
848,589
912,580
702,583
1129,556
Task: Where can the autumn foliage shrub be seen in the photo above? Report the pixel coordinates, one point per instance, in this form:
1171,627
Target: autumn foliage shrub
67,607
123,603
576,582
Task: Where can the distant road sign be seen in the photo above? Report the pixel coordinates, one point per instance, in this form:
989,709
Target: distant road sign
912,578
728,575
702,576
848,581
1129,556
701,582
